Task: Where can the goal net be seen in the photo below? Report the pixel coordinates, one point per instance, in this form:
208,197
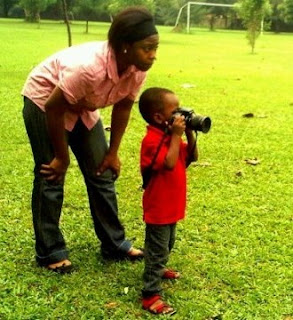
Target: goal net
191,3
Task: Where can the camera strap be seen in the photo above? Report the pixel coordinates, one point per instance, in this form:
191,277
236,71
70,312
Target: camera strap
148,171
191,153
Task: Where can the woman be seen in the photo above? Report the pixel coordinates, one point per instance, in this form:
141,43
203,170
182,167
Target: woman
61,96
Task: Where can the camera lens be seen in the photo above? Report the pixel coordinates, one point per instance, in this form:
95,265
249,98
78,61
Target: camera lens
206,124
200,123
194,121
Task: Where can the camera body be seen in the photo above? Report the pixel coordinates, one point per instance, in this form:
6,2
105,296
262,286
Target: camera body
194,121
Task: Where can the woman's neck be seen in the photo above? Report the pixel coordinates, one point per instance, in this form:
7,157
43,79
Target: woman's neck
122,64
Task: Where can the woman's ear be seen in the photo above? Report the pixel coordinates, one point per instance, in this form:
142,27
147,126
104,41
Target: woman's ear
126,48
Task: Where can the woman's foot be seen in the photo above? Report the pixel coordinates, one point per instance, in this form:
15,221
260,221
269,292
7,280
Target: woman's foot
135,254
156,305
170,274
132,254
62,267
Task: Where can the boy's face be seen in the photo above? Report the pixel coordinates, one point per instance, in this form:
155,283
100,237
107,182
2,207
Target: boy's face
171,104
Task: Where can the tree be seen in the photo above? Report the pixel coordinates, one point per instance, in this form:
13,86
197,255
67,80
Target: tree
218,12
66,20
288,11
276,17
87,9
117,5
33,8
253,12
166,11
6,5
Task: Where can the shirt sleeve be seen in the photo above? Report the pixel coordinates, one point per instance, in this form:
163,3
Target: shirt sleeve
75,82
148,152
137,85
160,160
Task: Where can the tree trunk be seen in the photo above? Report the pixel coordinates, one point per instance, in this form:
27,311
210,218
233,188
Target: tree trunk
66,20
5,9
212,22
32,15
225,22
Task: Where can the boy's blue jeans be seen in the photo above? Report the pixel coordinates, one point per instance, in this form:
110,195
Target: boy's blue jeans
159,241
89,148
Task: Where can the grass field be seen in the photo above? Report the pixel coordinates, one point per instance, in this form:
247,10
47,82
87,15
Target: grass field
234,248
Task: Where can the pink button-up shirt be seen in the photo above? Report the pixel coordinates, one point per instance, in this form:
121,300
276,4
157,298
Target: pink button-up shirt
87,74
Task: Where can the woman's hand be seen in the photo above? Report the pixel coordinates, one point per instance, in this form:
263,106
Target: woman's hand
111,162
55,171
119,119
56,106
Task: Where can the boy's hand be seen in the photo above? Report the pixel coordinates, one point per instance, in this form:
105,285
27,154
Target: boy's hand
178,126
188,131
177,129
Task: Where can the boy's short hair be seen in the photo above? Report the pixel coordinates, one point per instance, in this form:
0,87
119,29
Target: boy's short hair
152,101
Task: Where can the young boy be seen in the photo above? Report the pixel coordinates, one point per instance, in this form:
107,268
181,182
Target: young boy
164,197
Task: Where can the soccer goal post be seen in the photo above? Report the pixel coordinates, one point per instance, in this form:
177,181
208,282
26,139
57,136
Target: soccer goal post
188,4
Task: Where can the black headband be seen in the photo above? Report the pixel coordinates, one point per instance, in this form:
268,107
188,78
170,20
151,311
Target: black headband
141,31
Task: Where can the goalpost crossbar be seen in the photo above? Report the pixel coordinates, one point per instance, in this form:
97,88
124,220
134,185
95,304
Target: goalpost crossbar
210,4
198,3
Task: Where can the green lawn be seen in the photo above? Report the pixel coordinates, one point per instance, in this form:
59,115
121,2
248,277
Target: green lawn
234,248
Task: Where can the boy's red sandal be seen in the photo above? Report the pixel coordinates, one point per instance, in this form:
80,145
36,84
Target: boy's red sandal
170,274
155,305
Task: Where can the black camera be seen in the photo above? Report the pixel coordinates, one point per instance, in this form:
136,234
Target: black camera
194,121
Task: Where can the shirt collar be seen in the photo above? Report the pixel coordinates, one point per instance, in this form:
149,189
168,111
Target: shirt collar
155,131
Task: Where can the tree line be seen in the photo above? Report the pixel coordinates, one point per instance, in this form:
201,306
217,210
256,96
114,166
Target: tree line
278,14
252,15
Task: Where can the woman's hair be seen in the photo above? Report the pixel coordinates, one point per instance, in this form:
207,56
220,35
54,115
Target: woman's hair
131,25
152,101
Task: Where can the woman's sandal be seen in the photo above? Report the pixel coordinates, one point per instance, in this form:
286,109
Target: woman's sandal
132,255
171,274
135,254
60,269
155,305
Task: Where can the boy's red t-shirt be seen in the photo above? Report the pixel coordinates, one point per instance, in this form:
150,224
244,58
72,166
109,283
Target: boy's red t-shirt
164,199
